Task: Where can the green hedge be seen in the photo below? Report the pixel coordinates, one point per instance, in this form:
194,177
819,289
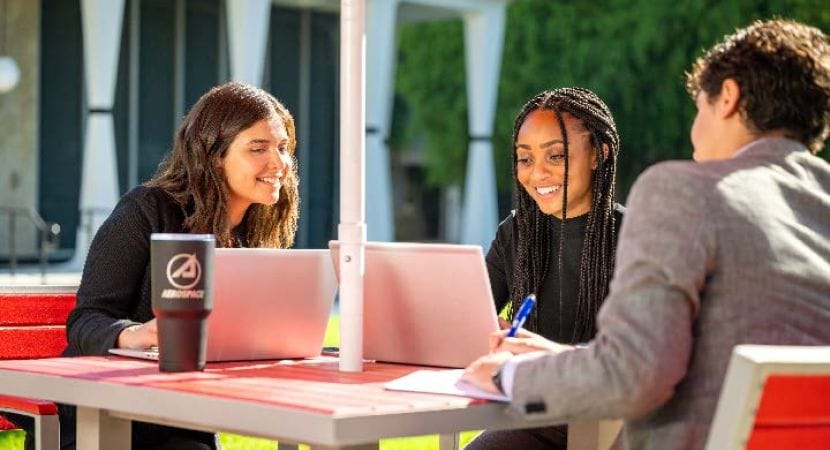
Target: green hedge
632,53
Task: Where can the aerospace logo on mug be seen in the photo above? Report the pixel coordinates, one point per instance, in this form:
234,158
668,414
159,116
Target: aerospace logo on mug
183,272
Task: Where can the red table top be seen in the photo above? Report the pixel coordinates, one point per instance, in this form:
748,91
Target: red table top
315,386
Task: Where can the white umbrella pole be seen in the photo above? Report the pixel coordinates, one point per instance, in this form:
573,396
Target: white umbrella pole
352,229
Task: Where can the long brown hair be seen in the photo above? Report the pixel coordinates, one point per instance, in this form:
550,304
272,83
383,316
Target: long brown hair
533,229
190,173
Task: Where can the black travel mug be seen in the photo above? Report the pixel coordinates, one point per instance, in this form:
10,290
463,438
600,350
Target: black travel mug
182,295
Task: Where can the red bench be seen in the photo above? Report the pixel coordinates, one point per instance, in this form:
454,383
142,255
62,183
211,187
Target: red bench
794,413
774,398
33,325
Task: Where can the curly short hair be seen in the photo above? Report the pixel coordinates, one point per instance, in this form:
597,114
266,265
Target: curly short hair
783,69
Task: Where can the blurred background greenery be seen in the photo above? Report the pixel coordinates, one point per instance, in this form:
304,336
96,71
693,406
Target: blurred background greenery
12,439
632,53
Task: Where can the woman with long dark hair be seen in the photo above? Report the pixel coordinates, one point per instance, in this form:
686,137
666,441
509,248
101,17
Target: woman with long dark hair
231,173
560,241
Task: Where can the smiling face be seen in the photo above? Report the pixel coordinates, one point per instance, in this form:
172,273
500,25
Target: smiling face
540,162
255,165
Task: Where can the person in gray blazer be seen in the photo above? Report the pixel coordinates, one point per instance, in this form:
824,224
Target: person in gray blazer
731,249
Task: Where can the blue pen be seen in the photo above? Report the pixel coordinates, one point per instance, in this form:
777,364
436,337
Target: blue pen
521,316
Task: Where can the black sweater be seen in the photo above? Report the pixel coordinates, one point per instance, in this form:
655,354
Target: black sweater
115,294
115,287
501,262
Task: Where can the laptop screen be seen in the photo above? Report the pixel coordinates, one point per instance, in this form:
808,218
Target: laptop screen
270,303
267,304
426,304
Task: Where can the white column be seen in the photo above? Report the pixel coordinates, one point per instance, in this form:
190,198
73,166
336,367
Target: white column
380,70
484,39
248,38
453,206
102,21
352,229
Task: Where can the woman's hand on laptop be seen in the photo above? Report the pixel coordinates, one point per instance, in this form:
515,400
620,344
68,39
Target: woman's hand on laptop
524,342
139,337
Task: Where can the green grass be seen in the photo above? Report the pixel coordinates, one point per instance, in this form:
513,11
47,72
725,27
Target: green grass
12,439
332,339
235,442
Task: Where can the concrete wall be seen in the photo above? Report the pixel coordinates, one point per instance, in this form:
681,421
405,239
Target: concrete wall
19,122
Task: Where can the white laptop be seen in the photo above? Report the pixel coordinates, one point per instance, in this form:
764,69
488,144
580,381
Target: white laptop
425,304
267,304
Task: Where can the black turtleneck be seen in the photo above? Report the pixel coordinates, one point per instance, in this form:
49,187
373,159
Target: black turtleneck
501,263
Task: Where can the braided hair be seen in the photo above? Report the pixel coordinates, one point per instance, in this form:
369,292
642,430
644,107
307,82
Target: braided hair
533,229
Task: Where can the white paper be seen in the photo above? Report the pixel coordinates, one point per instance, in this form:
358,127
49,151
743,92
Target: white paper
441,382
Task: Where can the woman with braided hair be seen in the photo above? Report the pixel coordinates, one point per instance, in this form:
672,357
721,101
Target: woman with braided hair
560,241
725,250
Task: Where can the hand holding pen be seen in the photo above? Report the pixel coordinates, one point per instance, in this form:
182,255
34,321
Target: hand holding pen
517,340
524,311
521,316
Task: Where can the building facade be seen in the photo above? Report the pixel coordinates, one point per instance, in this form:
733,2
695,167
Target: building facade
105,84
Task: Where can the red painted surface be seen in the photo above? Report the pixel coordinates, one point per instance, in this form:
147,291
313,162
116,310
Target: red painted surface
6,425
315,386
42,341
311,385
35,309
32,326
29,405
794,413
789,438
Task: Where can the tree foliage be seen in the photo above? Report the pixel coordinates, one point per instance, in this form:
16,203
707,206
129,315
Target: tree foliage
633,53
434,98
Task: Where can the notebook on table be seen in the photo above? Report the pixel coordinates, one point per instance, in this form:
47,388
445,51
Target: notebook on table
425,304
267,304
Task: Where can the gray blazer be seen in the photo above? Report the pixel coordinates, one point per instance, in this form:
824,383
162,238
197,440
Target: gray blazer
710,255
